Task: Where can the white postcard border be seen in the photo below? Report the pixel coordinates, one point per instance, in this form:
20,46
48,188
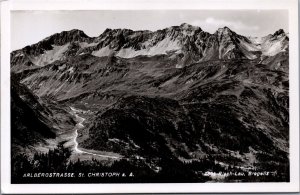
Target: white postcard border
6,7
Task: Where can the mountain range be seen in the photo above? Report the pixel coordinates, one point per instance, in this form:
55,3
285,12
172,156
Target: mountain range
185,43
176,93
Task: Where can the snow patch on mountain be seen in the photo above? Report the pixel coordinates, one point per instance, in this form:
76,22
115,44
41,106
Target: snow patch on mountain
49,56
271,44
256,40
272,47
223,51
162,47
85,44
105,51
249,46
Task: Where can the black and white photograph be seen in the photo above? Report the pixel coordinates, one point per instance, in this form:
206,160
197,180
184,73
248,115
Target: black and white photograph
150,96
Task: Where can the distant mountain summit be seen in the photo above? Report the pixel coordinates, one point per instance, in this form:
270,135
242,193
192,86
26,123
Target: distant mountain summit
186,43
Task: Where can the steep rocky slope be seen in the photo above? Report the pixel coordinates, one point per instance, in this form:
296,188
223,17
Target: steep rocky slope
32,120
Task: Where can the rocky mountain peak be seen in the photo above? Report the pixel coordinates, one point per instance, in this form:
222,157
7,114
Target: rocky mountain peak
224,31
107,30
186,26
279,32
69,36
61,39
76,32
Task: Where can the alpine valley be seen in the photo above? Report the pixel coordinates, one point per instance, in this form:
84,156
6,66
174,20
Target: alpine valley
174,105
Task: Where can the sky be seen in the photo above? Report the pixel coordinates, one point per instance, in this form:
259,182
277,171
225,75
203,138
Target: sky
29,27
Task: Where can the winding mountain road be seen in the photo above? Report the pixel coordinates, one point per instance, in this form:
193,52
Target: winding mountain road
78,126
